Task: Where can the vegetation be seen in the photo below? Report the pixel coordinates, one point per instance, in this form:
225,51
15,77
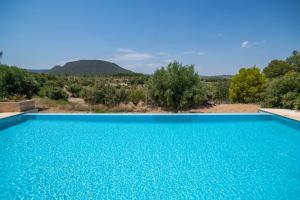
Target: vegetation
177,87
277,68
283,92
74,89
283,87
137,96
16,83
247,86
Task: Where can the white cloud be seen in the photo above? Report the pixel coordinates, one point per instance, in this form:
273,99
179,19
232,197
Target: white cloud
131,55
121,50
245,44
200,53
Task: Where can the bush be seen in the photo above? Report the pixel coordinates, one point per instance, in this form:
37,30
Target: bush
246,86
53,92
136,96
105,94
177,87
16,83
74,89
92,96
283,92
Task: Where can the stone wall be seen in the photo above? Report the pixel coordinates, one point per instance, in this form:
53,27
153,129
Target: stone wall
20,106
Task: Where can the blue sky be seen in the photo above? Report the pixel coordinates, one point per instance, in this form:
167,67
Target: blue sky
218,37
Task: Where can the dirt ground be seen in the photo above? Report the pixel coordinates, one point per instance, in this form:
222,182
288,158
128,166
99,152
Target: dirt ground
229,108
77,105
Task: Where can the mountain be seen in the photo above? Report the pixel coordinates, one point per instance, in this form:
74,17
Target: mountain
86,67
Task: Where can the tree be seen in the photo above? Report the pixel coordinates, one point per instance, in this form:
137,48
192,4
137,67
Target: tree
104,94
222,91
93,96
136,96
277,68
177,87
294,61
16,83
55,93
74,89
1,54
246,86
283,92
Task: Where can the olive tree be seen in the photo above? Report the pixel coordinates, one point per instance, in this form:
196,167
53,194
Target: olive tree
177,87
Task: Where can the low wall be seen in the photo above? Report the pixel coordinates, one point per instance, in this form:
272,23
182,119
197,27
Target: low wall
19,106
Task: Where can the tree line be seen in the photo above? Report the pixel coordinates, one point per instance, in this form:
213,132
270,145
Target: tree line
174,87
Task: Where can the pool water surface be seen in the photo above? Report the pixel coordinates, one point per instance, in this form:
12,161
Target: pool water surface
44,156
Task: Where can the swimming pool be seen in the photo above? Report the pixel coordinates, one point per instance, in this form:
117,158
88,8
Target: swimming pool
225,156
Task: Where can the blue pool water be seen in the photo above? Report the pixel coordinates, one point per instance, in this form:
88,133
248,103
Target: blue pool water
149,157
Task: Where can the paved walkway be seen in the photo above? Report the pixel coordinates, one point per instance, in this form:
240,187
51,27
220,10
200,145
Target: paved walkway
8,114
292,114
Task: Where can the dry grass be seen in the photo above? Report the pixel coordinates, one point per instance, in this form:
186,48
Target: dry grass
76,106
228,108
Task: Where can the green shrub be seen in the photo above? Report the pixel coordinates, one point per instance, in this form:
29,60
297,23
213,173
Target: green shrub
136,96
283,92
74,89
53,92
177,87
105,94
246,86
92,96
16,83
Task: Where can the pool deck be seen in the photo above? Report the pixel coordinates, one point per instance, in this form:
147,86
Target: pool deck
291,114
8,114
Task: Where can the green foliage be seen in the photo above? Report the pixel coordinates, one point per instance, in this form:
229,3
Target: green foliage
104,94
138,80
294,61
92,95
177,87
283,92
53,92
277,68
74,89
136,96
16,83
222,91
246,86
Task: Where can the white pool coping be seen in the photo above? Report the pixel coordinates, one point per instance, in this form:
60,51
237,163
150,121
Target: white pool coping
287,113
9,114
147,114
